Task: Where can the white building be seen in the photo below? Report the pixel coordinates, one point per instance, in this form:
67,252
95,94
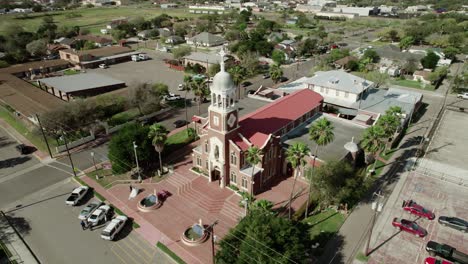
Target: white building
360,11
308,9
208,9
331,15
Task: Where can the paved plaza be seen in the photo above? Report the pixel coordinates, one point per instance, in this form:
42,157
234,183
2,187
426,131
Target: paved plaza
443,198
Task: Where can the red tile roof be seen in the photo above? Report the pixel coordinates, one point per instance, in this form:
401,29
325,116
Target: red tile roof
258,125
240,143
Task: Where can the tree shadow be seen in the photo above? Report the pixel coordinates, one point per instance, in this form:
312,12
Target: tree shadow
384,242
331,251
410,142
436,149
11,162
19,223
4,141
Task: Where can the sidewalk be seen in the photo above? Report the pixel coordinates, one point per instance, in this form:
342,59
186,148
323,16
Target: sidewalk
20,252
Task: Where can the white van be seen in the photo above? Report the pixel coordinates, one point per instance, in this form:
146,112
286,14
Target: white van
114,227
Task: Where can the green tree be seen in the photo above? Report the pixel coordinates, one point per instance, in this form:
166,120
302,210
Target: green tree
307,47
253,157
410,66
430,60
406,42
373,141
200,90
371,54
451,52
394,110
262,205
121,151
321,132
389,124
144,98
187,87
158,135
265,238
249,61
37,47
379,79
296,155
181,52
278,57
160,89
456,40
337,54
47,29
276,73
118,34
329,179
3,64
214,69
238,74
88,45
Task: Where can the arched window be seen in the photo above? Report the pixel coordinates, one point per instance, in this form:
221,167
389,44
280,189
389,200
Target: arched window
233,158
232,101
206,146
233,178
216,154
244,182
219,100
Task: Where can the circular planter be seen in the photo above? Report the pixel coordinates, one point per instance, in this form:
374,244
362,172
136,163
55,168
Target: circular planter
149,203
192,237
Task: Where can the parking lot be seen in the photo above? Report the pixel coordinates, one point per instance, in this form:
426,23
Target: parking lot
53,231
390,245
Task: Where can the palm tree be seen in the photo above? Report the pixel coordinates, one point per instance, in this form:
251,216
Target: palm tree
394,110
373,141
321,132
200,90
296,154
263,205
253,158
237,73
158,135
187,88
276,73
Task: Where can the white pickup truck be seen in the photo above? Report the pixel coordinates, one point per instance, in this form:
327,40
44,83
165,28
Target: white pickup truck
462,95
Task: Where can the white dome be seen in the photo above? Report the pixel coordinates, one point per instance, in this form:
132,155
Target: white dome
222,83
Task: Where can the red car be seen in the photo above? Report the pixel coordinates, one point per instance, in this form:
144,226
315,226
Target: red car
409,226
413,208
431,260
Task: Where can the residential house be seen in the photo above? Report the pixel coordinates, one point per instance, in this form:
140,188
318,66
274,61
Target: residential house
422,76
169,5
308,9
97,40
208,9
343,62
275,37
116,22
359,11
144,34
174,40
65,42
165,32
392,55
335,15
392,71
289,48
206,39
417,9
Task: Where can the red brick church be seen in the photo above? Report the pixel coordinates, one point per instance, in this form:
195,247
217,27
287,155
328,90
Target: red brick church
225,137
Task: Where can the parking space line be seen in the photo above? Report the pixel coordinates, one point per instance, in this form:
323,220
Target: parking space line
138,244
126,252
132,248
118,255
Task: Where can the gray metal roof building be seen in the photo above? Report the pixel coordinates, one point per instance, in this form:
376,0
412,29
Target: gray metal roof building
83,85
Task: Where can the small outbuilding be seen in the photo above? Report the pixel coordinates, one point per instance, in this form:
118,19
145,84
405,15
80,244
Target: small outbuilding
79,85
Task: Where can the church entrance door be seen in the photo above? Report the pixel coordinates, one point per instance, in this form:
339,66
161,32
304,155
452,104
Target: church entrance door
216,175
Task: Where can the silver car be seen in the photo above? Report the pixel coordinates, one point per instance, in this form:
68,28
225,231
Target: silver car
89,209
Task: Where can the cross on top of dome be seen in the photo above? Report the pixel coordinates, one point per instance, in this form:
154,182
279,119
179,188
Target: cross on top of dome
222,53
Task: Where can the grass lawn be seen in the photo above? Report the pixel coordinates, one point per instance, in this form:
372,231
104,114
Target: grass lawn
36,139
90,18
70,72
378,168
361,257
124,117
413,84
328,221
388,154
177,138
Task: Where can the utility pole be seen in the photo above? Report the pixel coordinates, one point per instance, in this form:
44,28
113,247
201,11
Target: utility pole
43,134
68,152
211,228
376,207
136,159
95,167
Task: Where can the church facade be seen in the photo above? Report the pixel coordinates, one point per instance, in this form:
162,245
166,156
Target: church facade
225,137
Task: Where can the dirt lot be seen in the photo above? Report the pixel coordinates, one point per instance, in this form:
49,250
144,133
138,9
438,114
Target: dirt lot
443,198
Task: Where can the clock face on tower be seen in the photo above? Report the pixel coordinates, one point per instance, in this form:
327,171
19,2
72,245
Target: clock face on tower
232,120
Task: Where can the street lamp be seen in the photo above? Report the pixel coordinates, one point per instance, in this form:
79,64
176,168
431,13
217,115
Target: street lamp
95,167
376,207
136,159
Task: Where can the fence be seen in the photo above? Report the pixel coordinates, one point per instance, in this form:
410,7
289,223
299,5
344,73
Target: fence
75,143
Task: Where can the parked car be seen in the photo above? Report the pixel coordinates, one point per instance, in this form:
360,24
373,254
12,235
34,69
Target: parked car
266,76
100,214
462,95
432,260
180,87
89,209
180,123
23,149
76,195
172,97
103,66
409,226
454,222
413,208
283,79
246,84
447,252
114,227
